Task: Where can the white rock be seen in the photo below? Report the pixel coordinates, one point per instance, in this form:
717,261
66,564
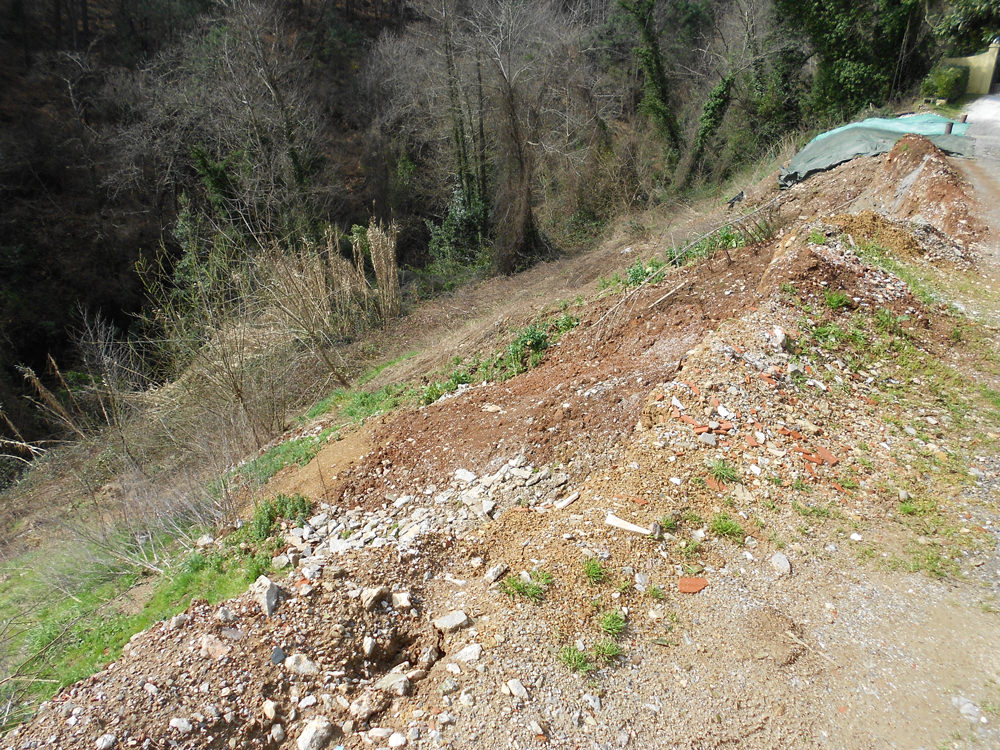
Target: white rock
780,564
205,540
395,683
371,597
517,689
452,621
368,645
105,742
855,537
401,601
278,733
212,647
300,664
567,501
225,614
493,574
270,710
464,475
316,735
470,653
181,724
397,740
178,621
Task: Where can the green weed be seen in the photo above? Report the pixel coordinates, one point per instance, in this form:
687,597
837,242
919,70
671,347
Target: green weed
613,623
513,586
727,526
724,472
575,659
593,570
837,300
811,511
606,650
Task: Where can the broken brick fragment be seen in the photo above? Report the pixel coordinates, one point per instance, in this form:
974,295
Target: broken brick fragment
715,484
827,456
691,585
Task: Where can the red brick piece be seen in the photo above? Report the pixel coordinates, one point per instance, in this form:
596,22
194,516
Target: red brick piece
827,456
691,585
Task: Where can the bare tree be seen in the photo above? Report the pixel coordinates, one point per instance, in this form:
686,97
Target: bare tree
501,87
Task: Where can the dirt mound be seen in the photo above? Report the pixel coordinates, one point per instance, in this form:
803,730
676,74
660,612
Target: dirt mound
579,402
918,184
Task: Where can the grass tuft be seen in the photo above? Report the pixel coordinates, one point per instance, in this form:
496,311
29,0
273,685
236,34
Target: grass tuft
726,526
613,623
724,472
594,571
575,659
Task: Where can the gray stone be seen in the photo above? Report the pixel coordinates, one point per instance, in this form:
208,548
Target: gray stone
265,592
448,686
594,701
277,655
317,734
178,621
781,564
105,742
368,646
708,439
371,597
452,621
967,708
280,561
300,664
277,733
225,614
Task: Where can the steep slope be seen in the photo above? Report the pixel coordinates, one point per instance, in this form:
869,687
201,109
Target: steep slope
750,505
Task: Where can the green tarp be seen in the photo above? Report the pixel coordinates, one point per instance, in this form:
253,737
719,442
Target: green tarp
876,135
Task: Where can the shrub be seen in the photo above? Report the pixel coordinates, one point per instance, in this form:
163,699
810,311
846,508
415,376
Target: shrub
945,82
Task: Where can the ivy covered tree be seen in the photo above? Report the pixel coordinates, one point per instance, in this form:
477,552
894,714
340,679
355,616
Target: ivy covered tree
970,25
868,51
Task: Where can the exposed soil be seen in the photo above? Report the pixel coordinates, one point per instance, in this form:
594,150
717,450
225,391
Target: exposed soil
824,614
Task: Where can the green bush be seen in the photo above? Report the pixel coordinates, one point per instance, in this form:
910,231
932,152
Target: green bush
946,82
